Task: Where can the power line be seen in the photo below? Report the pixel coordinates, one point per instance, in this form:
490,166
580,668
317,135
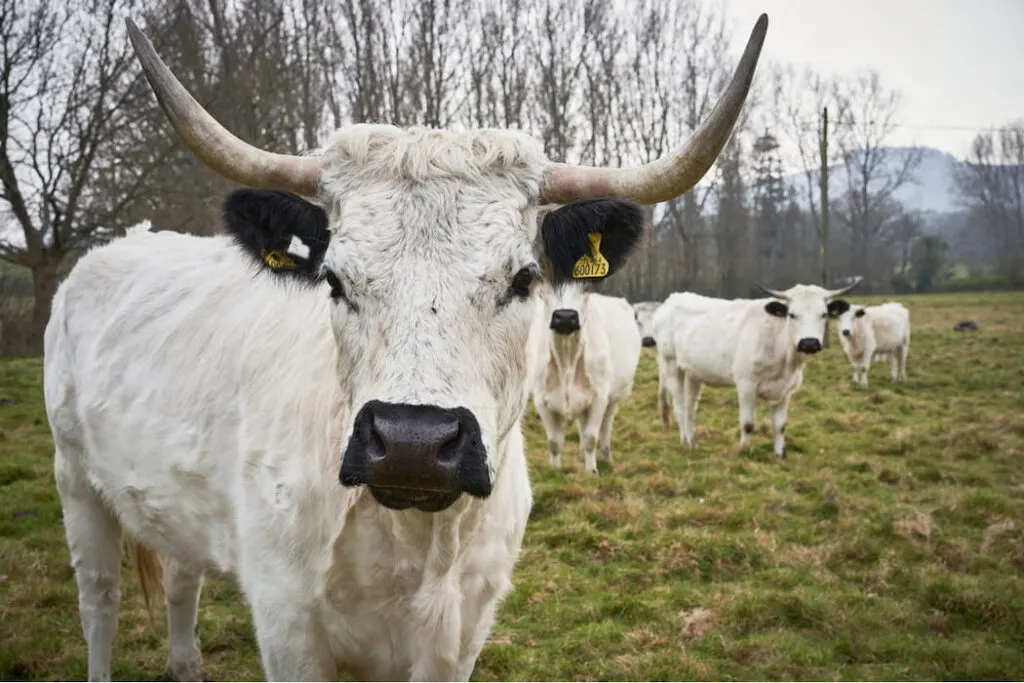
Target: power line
812,126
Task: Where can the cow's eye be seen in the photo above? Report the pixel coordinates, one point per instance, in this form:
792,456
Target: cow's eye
523,280
337,290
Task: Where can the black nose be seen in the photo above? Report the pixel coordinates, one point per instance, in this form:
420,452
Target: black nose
846,333
648,341
565,321
416,455
808,345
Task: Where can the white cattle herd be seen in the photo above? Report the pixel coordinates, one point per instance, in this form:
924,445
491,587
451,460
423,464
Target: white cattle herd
326,402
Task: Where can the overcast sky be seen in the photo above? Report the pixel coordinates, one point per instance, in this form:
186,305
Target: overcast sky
958,63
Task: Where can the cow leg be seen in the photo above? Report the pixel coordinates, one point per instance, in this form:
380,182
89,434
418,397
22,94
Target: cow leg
747,395
674,390
664,405
589,429
292,644
182,585
691,396
554,427
865,367
605,436
779,412
94,542
898,364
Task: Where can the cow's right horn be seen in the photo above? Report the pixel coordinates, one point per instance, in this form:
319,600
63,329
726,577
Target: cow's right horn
213,144
778,294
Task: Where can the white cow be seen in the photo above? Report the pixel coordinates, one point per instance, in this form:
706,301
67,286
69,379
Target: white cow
760,346
644,311
326,402
587,348
868,332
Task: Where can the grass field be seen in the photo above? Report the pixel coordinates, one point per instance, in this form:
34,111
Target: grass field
890,545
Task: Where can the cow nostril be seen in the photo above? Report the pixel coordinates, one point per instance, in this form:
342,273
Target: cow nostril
448,447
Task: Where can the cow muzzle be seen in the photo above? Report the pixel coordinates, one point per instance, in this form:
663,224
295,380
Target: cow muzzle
648,341
808,345
565,321
416,455
846,333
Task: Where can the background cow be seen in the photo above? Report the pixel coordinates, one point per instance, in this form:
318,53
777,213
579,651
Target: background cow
206,395
868,332
760,346
644,313
586,346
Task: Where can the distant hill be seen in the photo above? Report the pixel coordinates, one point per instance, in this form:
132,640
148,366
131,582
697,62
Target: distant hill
933,188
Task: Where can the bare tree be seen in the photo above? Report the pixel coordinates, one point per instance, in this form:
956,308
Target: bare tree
991,186
559,53
65,76
794,106
873,171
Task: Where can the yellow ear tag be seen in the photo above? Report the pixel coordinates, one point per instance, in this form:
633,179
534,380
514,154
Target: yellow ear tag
592,264
277,259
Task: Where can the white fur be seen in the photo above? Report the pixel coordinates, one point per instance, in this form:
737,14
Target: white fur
583,377
721,342
882,330
204,407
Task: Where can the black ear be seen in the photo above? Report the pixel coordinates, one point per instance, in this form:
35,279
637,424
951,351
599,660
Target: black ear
837,308
590,238
281,231
777,308
860,313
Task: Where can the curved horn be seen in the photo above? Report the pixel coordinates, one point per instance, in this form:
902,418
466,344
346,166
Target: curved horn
777,293
672,175
211,142
833,293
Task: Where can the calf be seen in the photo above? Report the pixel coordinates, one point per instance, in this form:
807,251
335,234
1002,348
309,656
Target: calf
585,347
869,332
760,346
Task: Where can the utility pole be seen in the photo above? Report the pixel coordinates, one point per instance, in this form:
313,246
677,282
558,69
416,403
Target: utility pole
823,147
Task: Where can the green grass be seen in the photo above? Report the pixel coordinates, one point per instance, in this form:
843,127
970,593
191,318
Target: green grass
889,546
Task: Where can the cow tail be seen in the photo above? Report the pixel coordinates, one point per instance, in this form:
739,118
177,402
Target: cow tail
149,570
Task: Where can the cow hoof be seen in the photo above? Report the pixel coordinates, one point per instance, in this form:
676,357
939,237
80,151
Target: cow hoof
782,455
593,472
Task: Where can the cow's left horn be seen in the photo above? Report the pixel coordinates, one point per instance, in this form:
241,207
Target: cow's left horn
777,293
213,144
833,293
672,175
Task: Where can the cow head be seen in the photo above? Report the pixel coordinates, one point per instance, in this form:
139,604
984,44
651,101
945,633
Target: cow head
643,312
805,310
848,317
427,244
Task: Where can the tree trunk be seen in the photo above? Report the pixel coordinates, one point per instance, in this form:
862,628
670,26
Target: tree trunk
45,279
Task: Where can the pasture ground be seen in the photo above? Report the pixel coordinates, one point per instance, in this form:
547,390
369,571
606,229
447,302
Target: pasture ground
889,546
